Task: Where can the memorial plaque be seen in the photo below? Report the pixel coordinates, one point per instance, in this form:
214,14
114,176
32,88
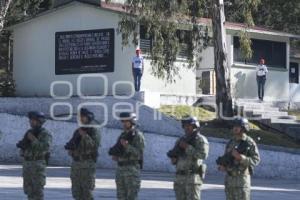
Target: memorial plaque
79,52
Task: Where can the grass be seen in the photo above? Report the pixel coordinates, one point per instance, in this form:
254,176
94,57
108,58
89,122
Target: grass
180,111
2,71
219,129
295,113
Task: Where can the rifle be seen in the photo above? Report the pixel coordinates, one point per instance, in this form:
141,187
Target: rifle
25,143
177,150
227,160
74,142
118,149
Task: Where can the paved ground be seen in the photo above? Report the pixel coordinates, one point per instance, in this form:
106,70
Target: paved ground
155,186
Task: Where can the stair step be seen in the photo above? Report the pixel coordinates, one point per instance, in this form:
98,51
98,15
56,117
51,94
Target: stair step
285,121
250,101
261,110
258,107
275,113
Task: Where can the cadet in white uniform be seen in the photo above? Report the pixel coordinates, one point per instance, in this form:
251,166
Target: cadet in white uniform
261,77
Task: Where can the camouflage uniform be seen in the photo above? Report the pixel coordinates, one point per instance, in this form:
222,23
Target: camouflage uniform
83,168
128,171
34,165
187,184
237,179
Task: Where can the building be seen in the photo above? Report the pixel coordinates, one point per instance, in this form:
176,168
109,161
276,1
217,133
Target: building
38,57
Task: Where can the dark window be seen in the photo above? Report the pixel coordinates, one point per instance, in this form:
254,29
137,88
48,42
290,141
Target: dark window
183,36
273,52
145,40
294,72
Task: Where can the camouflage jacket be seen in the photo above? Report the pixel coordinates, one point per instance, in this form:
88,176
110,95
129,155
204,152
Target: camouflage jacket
239,174
194,154
135,149
39,147
88,146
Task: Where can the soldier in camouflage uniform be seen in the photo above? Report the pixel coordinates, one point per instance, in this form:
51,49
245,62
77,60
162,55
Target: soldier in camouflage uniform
83,148
237,179
35,151
128,153
188,155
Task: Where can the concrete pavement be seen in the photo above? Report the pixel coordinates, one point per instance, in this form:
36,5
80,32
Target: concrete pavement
155,186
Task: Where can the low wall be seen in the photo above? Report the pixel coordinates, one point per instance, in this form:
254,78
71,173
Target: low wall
166,99
274,164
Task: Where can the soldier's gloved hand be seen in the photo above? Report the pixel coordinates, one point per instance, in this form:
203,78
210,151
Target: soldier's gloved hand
221,168
31,137
82,132
124,143
183,145
115,158
237,156
21,153
174,161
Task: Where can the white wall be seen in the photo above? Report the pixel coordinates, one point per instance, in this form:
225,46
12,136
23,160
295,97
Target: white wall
245,85
34,49
295,87
34,54
243,77
185,84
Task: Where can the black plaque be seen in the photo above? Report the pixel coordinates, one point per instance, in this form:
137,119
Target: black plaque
89,51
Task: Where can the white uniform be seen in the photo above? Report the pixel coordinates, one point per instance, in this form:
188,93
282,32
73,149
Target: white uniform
261,70
138,62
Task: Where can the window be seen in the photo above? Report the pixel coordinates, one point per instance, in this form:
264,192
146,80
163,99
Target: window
183,36
294,72
145,40
273,52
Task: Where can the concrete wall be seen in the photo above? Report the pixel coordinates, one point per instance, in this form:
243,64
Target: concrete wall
34,50
244,84
184,84
295,89
273,165
244,76
34,55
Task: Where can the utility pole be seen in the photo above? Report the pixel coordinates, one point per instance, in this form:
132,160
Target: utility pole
222,68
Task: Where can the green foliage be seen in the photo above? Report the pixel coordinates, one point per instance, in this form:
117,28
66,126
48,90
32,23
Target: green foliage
18,10
178,112
246,43
26,8
280,15
7,85
4,35
163,19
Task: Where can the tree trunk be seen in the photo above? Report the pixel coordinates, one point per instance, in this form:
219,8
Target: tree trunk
4,5
222,68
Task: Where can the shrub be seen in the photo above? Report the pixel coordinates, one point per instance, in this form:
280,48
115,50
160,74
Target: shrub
7,85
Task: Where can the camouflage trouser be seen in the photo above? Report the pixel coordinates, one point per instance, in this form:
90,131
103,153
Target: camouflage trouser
128,182
83,180
237,193
237,187
186,188
34,179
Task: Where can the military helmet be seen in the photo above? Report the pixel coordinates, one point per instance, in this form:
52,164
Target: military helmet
85,112
128,116
190,120
242,122
39,116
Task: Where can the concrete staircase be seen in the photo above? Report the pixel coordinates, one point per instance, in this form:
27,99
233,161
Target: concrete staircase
269,115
